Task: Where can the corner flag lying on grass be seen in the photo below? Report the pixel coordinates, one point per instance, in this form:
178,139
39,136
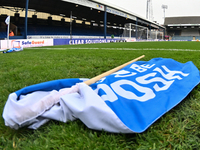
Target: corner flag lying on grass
14,50
127,101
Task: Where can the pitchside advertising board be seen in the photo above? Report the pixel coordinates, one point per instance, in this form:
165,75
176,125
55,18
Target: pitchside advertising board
25,43
82,41
50,42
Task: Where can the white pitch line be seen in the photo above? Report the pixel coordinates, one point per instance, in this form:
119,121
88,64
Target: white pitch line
134,49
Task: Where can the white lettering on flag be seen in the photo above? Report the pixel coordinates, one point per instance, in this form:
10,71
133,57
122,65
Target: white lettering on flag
117,87
161,84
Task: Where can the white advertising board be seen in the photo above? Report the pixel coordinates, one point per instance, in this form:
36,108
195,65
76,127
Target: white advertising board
25,43
87,3
119,13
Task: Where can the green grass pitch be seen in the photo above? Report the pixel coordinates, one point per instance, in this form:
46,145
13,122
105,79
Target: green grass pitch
178,129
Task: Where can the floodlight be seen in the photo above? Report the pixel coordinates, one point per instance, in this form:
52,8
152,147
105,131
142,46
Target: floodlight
164,6
62,15
31,10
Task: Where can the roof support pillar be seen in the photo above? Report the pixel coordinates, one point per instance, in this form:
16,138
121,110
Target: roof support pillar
149,30
105,22
164,31
136,36
26,20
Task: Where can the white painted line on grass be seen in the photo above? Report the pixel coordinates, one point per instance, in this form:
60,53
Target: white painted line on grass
133,49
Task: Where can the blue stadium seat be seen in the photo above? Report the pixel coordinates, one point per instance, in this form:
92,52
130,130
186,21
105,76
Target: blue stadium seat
3,35
78,30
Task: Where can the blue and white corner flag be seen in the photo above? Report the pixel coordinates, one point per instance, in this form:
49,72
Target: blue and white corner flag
7,21
128,101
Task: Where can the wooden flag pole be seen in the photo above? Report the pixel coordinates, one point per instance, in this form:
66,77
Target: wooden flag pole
99,77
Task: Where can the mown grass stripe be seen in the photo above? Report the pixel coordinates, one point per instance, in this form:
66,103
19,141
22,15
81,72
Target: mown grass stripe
177,129
134,49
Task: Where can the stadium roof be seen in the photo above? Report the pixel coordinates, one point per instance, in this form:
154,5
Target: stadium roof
182,21
87,9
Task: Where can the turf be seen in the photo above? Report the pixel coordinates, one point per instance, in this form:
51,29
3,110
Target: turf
178,129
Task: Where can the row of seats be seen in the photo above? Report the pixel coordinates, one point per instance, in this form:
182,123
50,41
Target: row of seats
185,32
174,33
3,35
185,37
51,30
190,32
59,30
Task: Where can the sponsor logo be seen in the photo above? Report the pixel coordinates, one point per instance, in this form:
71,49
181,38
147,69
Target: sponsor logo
72,42
99,6
15,44
32,42
90,41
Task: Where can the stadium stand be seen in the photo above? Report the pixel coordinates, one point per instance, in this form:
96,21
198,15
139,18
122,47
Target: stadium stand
183,28
42,27
89,10
190,32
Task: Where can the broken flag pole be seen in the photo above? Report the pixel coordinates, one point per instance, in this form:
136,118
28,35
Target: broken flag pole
128,100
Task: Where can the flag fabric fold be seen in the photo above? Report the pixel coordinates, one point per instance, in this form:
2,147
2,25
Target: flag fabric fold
7,21
128,101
